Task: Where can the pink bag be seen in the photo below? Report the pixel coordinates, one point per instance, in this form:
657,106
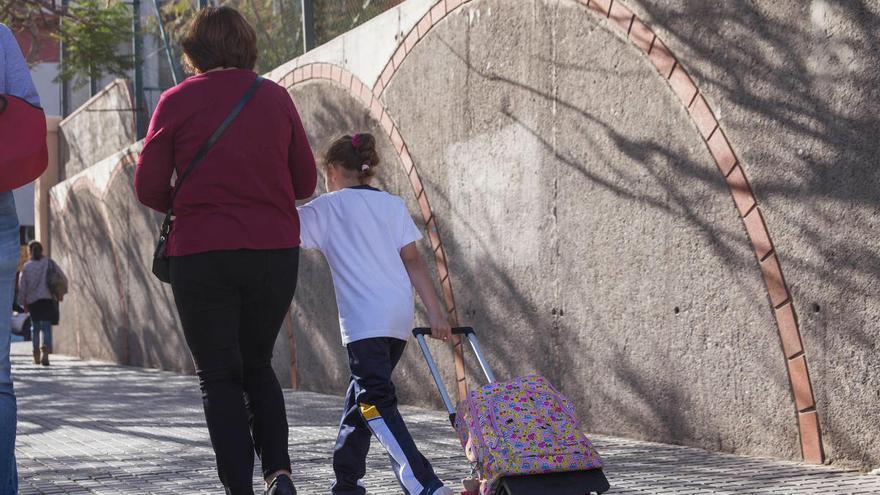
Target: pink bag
521,436
24,154
522,427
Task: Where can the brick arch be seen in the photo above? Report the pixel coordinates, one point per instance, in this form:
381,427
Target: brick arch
98,189
669,67
370,99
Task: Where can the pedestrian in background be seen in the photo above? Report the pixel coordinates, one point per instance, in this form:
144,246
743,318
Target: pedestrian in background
234,243
39,293
15,82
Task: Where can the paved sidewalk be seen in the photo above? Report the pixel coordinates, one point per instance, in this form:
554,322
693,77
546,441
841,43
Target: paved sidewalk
95,428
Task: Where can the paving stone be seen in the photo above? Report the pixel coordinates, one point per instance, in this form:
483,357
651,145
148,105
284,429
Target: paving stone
97,428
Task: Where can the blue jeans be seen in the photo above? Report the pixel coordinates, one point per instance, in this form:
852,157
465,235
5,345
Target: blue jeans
9,253
44,327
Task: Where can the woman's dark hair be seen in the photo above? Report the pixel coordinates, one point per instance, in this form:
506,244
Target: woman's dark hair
356,154
36,250
220,37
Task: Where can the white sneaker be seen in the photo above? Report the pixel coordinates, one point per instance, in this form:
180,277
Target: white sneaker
443,490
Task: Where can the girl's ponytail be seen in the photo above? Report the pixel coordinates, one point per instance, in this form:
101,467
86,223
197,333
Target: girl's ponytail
366,150
356,154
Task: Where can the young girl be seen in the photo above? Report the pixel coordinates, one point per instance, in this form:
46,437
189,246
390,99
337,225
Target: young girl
369,241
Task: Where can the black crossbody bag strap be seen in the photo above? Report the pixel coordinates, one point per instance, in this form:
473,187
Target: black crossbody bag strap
161,262
166,225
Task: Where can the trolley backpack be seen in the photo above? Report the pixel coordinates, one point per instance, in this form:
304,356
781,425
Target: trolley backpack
522,436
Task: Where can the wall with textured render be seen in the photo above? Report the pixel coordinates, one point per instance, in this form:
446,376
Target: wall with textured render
99,128
104,239
795,86
513,61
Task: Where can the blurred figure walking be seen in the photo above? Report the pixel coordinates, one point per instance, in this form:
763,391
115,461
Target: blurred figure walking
41,287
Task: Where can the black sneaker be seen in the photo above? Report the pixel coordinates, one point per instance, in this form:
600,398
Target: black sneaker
281,485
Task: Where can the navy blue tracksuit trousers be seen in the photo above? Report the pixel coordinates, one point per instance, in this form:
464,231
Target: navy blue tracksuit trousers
371,409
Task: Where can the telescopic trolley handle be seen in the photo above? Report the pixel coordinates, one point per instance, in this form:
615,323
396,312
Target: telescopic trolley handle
471,335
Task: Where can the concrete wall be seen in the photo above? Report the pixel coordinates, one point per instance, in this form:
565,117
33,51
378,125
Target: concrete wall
572,162
102,126
577,165
103,239
795,86
588,231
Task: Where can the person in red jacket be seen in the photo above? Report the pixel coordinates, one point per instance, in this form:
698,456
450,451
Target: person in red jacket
234,245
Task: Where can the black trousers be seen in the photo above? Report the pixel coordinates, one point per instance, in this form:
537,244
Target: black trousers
371,409
232,305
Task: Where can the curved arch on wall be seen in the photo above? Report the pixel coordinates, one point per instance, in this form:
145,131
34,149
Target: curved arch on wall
363,93
670,68
99,187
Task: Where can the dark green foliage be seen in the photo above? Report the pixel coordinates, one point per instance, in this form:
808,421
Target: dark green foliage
97,37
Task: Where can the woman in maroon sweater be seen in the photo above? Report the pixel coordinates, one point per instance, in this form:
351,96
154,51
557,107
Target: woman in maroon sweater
234,245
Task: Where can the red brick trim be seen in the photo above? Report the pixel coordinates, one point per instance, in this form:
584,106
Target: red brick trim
628,24
811,436
125,158
671,69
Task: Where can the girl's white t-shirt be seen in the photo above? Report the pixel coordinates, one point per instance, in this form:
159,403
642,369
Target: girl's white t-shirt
361,231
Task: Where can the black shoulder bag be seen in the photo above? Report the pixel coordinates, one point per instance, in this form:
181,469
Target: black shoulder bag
57,283
161,262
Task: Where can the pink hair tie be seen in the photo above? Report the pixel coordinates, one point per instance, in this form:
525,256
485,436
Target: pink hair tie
365,167
356,140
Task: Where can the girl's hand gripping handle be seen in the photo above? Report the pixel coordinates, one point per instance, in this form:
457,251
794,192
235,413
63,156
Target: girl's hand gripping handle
418,275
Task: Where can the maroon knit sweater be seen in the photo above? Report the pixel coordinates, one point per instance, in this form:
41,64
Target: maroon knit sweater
242,194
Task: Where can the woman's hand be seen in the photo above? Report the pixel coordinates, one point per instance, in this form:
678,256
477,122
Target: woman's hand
440,328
